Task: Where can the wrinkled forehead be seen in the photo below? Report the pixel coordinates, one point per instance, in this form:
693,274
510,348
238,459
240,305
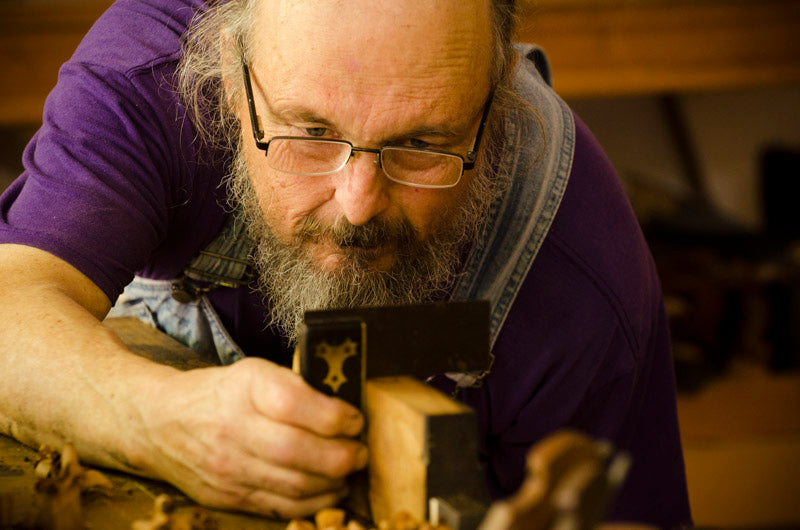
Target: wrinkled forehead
432,53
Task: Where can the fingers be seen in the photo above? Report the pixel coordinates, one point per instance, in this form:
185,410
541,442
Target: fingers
290,508
248,473
243,470
293,447
255,437
283,396
269,503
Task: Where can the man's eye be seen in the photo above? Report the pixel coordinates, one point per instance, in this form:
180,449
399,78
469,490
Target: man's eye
316,131
419,144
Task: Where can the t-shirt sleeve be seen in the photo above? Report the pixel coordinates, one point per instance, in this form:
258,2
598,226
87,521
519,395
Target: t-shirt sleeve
102,174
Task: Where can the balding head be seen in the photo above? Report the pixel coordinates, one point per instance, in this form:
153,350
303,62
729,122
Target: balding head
230,22
374,70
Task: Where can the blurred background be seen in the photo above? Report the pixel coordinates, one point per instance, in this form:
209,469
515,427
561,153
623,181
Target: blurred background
697,104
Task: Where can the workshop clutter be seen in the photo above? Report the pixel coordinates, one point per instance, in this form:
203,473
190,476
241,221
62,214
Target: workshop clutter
336,519
730,290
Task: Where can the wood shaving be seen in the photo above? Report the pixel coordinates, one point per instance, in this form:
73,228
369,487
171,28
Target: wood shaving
62,482
167,517
46,459
301,524
334,519
329,519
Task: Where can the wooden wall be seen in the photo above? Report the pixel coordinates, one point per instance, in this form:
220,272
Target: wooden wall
597,47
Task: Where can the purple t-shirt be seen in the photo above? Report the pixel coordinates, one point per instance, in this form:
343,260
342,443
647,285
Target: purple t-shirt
115,185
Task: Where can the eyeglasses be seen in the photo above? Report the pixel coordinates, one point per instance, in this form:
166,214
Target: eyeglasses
412,166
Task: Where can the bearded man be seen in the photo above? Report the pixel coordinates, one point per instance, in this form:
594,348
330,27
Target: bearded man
217,170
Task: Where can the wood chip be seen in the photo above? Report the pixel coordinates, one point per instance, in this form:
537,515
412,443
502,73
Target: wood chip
62,482
301,524
334,519
330,519
167,517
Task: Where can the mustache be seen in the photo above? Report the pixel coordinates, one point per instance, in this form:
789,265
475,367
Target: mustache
372,234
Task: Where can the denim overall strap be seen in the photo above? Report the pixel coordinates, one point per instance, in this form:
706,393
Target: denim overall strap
225,262
181,307
520,219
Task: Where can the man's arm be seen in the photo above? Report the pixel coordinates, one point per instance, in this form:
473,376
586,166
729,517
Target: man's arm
251,436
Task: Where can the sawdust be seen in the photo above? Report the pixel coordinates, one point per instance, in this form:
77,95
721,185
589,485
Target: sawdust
167,517
62,482
334,519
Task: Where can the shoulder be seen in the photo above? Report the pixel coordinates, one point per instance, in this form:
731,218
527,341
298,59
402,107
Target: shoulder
118,90
591,298
595,247
121,76
137,35
585,344
115,160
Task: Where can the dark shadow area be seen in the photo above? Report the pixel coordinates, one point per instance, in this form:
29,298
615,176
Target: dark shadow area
733,291
12,142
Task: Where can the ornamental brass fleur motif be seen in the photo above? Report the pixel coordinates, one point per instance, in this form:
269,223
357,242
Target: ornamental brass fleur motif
335,357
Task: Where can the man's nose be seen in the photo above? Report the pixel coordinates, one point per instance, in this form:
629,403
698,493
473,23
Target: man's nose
361,190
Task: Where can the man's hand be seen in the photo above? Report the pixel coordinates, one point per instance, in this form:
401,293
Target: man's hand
252,436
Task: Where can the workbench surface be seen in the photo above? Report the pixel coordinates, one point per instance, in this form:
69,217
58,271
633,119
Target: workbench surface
130,499
597,47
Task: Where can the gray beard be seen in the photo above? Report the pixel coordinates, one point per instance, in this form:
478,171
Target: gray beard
292,284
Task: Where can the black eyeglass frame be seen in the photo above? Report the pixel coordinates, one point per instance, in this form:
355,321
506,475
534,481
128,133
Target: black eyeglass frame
467,162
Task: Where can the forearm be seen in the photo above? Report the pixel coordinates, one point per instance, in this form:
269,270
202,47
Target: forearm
65,376
252,436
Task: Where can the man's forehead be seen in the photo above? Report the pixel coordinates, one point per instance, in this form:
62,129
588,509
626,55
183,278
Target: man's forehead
388,38
396,55
443,128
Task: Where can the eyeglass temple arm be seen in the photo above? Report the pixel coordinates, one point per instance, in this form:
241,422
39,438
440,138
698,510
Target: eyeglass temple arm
472,154
258,134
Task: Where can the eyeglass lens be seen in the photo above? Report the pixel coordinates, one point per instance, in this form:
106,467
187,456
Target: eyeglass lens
412,166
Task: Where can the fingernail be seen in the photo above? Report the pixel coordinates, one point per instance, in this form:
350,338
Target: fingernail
362,457
354,425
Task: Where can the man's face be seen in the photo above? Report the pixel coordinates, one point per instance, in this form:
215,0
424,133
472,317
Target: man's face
372,72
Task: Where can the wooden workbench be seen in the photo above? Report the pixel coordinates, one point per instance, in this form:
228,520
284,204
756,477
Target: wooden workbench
132,497
741,443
